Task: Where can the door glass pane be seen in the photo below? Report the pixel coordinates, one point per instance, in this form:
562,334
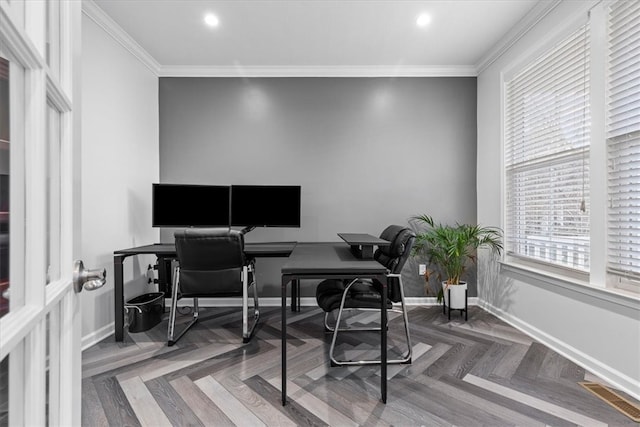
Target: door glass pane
53,193
4,186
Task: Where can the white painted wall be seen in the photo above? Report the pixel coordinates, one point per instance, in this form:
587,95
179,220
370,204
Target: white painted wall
598,330
120,161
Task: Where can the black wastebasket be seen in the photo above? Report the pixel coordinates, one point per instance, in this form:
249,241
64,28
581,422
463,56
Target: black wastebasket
145,311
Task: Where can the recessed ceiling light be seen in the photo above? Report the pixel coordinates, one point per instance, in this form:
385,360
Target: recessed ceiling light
211,20
423,20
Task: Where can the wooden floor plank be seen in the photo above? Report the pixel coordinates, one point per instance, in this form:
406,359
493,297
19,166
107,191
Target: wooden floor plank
173,404
512,412
540,404
143,404
232,407
115,403
318,407
92,410
478,372
206,411
263,409
271,391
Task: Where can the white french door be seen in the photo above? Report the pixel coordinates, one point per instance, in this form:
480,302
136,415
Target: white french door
40,327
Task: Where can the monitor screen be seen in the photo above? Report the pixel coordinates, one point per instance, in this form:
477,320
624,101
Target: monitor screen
190,205
265,205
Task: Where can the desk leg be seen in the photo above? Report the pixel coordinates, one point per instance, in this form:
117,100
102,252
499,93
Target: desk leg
118,296
383,341
283,310
294,295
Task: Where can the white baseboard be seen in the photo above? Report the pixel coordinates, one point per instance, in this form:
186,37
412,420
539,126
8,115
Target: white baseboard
615,378
97,336
304,302
102,333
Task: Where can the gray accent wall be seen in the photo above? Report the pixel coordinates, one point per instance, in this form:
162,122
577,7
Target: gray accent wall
368,152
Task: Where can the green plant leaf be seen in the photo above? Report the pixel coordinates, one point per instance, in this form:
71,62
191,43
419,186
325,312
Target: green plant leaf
451,248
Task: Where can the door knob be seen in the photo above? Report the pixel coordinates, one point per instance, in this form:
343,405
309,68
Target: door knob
88,279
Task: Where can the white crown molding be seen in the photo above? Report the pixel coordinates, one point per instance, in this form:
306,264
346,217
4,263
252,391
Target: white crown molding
539,11
97,15
317,71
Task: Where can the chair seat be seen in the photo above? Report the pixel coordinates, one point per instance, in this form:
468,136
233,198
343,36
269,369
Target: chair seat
362,294
336,295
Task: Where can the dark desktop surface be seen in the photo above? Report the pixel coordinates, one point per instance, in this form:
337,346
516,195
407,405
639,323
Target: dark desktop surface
263,249
328,258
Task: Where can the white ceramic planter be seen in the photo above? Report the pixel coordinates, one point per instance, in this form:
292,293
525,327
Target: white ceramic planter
458,295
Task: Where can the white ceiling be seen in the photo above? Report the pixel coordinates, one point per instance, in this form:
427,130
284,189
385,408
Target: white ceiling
308,34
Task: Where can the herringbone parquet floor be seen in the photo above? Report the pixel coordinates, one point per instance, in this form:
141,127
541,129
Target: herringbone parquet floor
478,372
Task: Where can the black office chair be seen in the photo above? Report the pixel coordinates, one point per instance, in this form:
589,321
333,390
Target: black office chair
358,294
212,263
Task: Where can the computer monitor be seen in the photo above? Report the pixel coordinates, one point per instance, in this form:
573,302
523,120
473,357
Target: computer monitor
265,205
190,205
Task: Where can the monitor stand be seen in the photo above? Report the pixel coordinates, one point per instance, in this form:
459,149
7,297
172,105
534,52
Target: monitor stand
247,229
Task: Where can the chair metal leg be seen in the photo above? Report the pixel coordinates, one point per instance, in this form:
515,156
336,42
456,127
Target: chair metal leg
330,328
336,329
174,303
171,339
249,279
245,303
405,317
327,328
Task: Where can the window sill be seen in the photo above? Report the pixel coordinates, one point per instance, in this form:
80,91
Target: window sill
615,296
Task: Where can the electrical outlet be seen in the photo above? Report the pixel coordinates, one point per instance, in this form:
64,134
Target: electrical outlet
422,269
150,275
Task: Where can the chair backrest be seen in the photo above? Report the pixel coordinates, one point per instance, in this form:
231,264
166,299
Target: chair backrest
395,255
211,261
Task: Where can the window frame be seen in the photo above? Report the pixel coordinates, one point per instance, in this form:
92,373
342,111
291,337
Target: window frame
616,277
544,47
596,279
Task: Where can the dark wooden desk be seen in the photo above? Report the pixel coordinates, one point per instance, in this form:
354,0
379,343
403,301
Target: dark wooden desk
362,244
166,252
327,261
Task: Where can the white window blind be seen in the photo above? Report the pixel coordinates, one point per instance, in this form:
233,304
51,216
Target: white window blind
623,139
547,157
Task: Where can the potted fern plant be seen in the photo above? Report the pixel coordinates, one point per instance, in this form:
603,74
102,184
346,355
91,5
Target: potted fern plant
450,249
